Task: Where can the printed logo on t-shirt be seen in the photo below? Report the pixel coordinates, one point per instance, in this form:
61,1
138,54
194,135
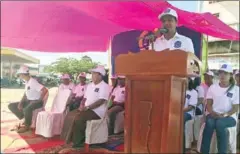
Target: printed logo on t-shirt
123,92
188,96
96,90
82,89
224,66
229,95
28,88
177,44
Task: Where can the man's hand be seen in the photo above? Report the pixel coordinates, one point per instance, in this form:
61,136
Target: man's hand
35,101
20,107
215,115
83,108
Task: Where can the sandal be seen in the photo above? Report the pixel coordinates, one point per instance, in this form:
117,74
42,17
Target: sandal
23,129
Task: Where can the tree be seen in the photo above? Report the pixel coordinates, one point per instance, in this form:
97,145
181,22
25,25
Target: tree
71,66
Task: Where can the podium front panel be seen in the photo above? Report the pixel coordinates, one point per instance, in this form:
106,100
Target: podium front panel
150,114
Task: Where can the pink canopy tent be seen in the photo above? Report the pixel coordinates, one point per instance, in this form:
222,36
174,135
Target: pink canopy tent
79,26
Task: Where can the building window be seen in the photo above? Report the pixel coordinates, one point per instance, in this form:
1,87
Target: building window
216,15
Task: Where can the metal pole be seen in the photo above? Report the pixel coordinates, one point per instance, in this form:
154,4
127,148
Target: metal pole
207,55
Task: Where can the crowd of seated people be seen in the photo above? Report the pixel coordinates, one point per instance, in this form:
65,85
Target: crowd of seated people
218,102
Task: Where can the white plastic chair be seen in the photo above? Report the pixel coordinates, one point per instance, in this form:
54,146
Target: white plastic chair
197,126
50,123
35,112
119,123
189,133
96,131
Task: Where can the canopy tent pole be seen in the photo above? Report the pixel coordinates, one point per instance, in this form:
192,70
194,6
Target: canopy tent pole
207,67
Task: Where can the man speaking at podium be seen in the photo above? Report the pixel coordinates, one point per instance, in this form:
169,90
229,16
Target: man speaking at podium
170,39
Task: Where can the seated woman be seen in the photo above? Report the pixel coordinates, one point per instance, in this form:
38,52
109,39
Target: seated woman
92,107
66,83
237,83
77,95
237,78
118,99
222,106
113,86
200,90
190,104
114,82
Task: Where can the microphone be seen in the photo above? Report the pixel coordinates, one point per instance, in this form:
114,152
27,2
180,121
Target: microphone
162,31
155,34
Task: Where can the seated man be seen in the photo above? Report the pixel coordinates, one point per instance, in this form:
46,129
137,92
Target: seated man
66,83
118,99
32,99
78,92
92,107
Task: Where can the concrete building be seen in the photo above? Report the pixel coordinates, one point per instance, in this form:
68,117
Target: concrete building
11,60
222,51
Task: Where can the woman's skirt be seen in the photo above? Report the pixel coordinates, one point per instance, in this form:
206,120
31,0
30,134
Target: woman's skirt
69,125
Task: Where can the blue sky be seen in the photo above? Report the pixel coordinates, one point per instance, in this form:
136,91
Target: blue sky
102,57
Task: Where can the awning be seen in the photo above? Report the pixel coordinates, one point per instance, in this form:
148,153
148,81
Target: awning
12,55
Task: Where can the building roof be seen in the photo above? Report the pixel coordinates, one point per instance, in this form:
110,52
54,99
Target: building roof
8,54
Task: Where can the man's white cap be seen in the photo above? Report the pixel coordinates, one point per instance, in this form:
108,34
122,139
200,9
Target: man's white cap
121,76
170,12
210,73
236,72
83,74
99,69
226,68
23,70
65,76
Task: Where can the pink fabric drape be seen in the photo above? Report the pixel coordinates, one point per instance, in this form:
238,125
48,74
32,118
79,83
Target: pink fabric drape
78,26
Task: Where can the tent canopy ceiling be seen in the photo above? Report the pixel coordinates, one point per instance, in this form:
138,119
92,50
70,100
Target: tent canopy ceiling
78,26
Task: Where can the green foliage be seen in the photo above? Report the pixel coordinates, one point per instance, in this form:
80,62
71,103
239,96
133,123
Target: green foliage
71,66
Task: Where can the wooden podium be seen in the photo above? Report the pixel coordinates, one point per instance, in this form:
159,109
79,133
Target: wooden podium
156,85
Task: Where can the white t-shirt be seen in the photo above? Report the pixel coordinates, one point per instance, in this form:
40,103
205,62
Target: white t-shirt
119,93
96,92
200,91
223,100
191,99
177,42
33,89
80,90
70,86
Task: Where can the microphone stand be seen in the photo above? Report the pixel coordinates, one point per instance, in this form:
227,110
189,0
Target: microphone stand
152,43
150,38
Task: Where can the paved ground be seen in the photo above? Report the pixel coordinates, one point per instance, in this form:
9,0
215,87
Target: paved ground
8,96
